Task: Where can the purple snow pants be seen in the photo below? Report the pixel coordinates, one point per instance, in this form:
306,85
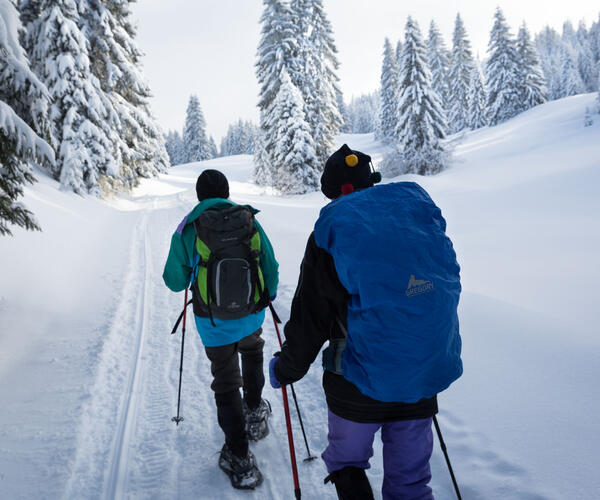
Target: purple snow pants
407,447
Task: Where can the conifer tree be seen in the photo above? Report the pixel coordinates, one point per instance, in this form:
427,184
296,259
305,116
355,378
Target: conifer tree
439,64
277,49
421,122
477,101
571,82
81,115
212,147
194,133
532,87
317,79
115,61
549,44
461,66
502,72
263,171
23,123
296,167
175,148
588,69
388,113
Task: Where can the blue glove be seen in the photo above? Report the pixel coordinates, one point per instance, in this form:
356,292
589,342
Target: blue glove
273,297
272,378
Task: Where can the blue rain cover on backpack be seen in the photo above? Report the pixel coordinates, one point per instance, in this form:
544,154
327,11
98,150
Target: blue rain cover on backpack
392,255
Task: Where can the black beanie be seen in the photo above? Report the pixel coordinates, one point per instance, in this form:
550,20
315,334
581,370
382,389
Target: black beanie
347,168
212,184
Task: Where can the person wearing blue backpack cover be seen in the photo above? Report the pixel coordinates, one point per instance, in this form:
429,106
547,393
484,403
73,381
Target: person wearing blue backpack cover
380,282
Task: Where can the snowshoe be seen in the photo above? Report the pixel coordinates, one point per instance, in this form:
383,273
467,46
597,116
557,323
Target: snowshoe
257,426
243,472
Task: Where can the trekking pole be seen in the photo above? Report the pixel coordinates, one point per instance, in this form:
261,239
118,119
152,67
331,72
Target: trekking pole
443,445
178,419
310,457
288,423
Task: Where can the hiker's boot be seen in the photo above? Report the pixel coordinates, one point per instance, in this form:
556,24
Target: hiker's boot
257,426
243,472
351,483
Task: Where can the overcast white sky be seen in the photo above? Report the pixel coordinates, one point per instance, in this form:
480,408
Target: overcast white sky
208,47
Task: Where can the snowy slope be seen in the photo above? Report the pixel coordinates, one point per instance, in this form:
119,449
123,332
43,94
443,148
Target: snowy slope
88,370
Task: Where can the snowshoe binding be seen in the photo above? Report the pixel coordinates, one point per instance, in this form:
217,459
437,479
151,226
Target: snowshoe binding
243,472
257,426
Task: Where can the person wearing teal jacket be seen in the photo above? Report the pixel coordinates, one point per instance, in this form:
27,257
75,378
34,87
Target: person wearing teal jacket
239,418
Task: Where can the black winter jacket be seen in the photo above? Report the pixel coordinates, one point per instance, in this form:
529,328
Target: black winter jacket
319,303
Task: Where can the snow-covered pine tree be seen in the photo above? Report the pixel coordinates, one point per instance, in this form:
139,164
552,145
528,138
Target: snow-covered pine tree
588,69
277,49
549,44
571,82
195,141
346,128
421,122
502,73
263,172
532,87
212,147
318,81
23,123
439,64
477,101
296,166
115,61
388,112
459,77
174,147
80,112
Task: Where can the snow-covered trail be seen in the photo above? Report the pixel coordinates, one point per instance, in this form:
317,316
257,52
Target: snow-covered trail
89,370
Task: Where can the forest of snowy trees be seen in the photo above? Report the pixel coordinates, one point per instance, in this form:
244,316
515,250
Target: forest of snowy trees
452,91
72,99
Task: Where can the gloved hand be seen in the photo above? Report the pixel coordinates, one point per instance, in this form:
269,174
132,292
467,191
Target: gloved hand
273,297
272,378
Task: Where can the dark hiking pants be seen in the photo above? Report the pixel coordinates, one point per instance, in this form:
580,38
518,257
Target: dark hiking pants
227,380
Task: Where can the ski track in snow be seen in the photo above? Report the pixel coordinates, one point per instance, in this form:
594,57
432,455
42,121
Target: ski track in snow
504,422
127,446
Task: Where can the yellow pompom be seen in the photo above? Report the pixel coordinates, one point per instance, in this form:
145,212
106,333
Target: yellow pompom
352,160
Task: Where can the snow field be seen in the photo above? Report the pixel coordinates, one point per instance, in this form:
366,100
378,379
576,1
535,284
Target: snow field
90,371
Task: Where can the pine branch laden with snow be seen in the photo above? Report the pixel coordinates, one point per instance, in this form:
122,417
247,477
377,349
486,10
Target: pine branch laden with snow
23,123
532,86
502,73
439,64
421,122
461,66
296,168
388,91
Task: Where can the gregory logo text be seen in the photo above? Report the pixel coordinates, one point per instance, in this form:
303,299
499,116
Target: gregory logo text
418,287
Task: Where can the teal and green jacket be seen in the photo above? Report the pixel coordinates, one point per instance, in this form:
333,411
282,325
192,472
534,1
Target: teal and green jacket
177,276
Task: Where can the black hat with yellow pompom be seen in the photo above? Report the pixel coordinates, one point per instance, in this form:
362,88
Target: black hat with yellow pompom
347,171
